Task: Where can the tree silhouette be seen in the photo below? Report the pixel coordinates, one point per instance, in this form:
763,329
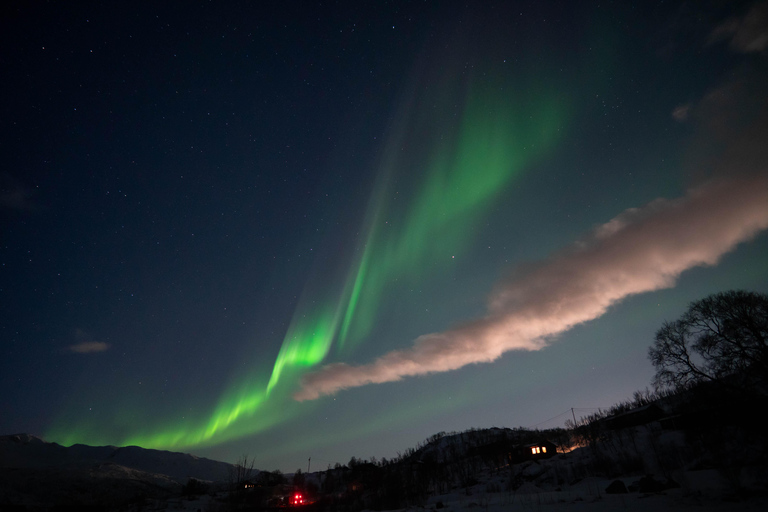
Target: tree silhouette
298,479
720,335
241,471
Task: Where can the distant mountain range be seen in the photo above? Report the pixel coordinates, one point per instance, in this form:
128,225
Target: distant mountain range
25,451
37,475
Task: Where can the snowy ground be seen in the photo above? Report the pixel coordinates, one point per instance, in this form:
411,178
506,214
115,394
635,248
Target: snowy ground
587,498
700,491
590,495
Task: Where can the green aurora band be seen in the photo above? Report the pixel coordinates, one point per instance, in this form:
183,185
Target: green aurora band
499,134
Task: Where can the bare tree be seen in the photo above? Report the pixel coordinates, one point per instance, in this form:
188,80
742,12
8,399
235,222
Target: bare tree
720,335
241,471
298,479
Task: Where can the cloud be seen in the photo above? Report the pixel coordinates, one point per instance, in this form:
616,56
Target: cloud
89,347
85,346
681,112
746,34
641,250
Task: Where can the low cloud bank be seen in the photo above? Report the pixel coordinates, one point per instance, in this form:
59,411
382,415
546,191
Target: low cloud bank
641,250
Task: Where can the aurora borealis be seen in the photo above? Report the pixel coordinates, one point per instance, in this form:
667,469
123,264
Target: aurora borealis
333,231
438,220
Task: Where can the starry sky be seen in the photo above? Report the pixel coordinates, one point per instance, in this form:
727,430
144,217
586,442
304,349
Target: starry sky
333,229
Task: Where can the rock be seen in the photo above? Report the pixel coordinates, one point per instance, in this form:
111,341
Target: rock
616,487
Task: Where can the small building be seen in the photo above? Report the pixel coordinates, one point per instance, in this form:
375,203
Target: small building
541,450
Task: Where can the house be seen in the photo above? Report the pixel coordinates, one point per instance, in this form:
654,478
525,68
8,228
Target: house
541,450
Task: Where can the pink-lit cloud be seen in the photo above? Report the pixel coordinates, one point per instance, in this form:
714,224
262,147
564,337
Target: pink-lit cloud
641,250
88,347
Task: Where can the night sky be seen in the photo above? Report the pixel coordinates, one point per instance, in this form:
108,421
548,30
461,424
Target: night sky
329,230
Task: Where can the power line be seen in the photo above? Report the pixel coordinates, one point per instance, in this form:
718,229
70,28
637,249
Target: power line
571,410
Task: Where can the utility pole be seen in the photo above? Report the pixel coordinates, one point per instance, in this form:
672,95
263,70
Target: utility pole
574,418
308,461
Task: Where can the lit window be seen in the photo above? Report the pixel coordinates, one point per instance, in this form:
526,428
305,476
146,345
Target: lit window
533,450
543,449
